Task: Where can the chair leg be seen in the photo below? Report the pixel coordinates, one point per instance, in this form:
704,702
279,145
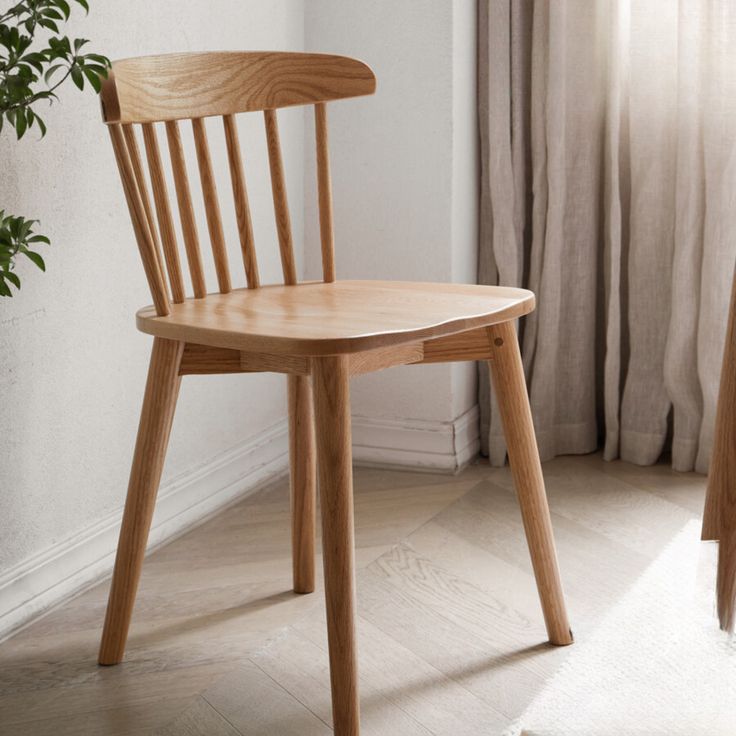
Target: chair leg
722,476
157,415
513,402
330,378
303,482
719,516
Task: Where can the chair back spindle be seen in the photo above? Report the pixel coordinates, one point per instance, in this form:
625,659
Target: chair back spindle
186,210
140,180
240,197
280,200
324,189
146,246
211,205
167,89
163,211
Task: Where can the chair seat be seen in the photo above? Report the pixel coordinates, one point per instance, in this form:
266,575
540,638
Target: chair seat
334,318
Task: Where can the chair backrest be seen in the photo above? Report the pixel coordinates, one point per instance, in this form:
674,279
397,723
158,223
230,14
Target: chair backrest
167,89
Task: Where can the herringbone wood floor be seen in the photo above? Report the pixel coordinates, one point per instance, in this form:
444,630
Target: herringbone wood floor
451,634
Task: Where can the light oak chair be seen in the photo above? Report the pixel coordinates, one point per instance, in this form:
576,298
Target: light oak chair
319,334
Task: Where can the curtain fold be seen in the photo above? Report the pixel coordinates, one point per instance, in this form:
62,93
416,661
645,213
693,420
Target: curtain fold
608,144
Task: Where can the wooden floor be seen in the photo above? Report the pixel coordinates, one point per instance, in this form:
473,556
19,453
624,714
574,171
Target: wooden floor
451,634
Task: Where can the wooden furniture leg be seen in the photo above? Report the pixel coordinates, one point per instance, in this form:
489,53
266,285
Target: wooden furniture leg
302,456
330,378
723,463
162,388
719,517
508,380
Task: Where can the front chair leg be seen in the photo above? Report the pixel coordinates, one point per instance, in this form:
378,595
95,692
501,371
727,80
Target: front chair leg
303,482
157,415
330,378
513,402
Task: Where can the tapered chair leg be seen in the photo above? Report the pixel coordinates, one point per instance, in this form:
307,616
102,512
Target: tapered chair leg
722,474
162,388
513,402
302,456
719,515
334,461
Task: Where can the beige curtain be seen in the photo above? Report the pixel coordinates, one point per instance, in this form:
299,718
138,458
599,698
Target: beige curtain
608,141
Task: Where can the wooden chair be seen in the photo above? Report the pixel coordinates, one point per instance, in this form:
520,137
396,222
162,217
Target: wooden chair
319,334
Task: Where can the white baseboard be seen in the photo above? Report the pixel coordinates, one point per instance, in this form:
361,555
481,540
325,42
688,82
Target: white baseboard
37,584
409,443
29,589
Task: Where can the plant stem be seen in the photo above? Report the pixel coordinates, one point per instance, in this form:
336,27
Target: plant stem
34,98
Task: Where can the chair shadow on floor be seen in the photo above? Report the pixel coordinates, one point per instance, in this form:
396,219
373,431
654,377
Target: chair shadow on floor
204,621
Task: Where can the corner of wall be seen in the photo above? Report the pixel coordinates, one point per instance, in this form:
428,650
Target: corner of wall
57,573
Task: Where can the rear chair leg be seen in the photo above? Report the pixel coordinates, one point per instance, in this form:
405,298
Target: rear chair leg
162,388
303,481
513,402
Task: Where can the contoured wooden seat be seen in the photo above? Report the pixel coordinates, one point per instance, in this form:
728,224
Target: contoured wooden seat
337,317
318,333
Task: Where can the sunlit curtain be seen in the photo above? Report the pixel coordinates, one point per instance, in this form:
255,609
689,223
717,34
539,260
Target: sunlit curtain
608,137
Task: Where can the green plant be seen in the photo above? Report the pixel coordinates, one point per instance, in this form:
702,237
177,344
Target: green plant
34,62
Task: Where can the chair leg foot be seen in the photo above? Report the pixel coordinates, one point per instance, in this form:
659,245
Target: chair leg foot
508,380
302,455
332,414
162,388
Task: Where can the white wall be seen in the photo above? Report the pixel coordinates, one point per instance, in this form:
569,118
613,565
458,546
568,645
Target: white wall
72,365
405,188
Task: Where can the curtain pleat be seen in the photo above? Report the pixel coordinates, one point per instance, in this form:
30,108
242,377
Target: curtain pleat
608,138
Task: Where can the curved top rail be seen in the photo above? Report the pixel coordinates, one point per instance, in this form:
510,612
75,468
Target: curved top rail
149,89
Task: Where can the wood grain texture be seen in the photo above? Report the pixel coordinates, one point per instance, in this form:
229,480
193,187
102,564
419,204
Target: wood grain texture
186,210
719,519
259,706
163,212
303,485
134,156
199,719
324,190
296,365
341,317
379,359
146,247
470,345
204,360
240,197
508,381
194,85
293,661
211,205
330,378
448,628
280,199
157,415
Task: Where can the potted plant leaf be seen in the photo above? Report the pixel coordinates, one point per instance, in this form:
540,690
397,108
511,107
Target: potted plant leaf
35,60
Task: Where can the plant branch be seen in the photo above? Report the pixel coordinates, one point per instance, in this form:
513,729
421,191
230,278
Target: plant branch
22,70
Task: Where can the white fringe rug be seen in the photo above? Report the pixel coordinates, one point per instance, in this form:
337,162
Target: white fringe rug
656,665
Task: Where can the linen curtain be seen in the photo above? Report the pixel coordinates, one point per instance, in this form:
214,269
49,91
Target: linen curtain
608,187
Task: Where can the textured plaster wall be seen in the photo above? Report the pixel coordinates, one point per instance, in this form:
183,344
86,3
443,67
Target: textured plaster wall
404,172
72,365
